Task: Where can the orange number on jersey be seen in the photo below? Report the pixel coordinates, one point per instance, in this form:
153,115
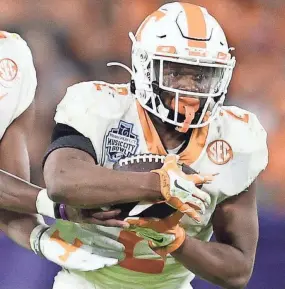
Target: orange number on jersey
243,118
122,90
129,240
119,90
100,85
69,248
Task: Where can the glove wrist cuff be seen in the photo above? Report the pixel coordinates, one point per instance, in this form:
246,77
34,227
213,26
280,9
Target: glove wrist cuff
164,183
44,205
35,238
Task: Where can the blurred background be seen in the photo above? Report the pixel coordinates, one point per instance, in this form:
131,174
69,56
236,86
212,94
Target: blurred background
72,40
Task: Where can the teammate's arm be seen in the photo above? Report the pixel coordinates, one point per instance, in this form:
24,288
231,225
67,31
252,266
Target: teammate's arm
228,262
18,227
14,158
17,194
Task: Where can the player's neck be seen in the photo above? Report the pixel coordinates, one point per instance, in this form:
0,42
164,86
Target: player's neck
169,136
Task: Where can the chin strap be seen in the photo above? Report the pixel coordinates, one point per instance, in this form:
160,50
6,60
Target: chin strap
187,106
133,87
189,116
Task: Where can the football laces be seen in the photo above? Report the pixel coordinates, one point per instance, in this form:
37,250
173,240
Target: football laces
142,158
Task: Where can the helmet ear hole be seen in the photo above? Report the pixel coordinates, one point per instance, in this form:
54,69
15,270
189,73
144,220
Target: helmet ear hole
133,86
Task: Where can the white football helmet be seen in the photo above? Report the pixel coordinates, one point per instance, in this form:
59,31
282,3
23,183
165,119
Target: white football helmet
181,49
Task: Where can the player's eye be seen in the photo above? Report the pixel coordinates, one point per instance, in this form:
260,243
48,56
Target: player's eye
198,77
174,74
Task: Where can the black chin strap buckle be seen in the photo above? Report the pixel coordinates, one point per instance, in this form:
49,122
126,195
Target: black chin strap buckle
133,87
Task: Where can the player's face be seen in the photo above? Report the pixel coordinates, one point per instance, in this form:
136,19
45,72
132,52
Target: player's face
190,78
185,78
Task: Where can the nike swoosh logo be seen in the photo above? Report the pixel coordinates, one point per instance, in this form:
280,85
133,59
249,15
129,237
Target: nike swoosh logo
179,187
158,240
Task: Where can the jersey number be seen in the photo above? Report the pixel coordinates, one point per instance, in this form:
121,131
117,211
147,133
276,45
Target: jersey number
129,240
244,117
119,90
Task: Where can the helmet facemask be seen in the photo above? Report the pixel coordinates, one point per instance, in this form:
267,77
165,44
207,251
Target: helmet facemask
196,87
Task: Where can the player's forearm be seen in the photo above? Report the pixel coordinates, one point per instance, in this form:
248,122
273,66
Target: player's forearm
218,263
79,183
18,226
17,195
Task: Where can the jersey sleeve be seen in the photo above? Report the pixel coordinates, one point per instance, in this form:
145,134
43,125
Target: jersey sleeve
250,151
17,79
73,108
89,106
259,159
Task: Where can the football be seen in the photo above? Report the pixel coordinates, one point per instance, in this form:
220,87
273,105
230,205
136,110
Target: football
145,163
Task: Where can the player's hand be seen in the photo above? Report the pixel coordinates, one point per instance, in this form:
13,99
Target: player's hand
94,216
89,251
180,190
164,235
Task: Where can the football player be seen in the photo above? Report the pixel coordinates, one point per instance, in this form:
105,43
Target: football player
173,106
17,89
20,200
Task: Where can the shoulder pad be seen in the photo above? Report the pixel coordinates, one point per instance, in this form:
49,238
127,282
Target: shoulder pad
244,129
18,79
248,140
94,100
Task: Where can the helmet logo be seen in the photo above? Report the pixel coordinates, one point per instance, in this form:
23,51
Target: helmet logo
143,56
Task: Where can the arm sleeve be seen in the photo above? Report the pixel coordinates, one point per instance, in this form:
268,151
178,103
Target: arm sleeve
64,136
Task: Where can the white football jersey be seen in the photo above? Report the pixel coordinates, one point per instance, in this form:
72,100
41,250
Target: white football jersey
233,146
17,78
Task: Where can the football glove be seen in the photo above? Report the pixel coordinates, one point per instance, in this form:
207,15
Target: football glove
180,190
93,251
163,235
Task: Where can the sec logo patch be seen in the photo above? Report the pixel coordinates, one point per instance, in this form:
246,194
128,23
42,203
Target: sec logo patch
8,69
219,152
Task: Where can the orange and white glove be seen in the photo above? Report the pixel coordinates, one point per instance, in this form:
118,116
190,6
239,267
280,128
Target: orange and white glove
164,235
91,252
180,190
